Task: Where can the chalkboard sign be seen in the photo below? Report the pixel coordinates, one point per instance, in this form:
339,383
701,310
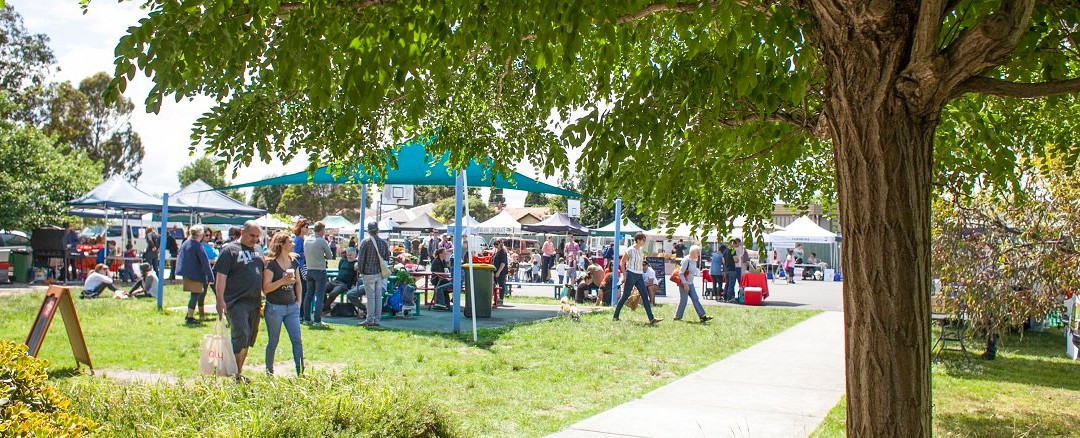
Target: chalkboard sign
657,264
58,297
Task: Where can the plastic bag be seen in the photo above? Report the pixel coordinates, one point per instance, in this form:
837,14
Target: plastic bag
216,358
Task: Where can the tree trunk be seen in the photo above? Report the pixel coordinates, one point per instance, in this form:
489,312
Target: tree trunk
883,150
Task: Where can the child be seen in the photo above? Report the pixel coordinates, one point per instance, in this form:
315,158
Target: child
128,274
789,266
560,270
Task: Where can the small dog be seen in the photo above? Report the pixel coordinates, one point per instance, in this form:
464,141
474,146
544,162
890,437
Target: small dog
568,308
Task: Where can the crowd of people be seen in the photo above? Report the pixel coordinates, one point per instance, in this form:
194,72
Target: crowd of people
290,274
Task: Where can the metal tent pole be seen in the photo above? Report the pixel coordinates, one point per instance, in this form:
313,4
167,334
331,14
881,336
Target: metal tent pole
615,253
161,249
456,276
472,278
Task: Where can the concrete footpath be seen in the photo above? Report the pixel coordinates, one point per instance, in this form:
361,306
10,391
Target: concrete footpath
781,387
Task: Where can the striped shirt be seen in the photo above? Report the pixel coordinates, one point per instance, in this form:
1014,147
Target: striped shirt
635,260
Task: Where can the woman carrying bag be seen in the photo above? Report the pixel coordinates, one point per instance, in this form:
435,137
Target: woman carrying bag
282,287
688,270
194,266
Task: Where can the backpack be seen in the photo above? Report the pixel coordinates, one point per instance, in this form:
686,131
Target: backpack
343,310
395,301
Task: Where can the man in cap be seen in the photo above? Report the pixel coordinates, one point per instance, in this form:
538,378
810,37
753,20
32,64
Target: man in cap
372,253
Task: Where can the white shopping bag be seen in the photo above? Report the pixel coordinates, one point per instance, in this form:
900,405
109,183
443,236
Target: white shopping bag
217,357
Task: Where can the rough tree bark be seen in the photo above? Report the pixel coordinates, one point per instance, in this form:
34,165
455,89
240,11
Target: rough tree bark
887,83
883,144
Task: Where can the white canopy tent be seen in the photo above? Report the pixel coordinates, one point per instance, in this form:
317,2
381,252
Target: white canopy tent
803,230
502,223
270,222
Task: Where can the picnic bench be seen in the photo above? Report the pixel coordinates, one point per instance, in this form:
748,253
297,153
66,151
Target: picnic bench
556,294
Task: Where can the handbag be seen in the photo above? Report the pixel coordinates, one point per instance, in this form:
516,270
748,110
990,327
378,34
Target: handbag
193,286
676,278
216,357
633,301
384,269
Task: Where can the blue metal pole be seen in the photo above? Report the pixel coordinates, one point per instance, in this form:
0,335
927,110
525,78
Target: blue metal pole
161,249
458,201
363,212
615,258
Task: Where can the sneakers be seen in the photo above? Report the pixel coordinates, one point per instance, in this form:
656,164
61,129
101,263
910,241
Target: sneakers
191,321
676,319
655,321
706,318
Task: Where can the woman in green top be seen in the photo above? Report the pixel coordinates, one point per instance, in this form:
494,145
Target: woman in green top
281,285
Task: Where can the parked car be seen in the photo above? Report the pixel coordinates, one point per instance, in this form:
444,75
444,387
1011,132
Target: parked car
518,244
14,240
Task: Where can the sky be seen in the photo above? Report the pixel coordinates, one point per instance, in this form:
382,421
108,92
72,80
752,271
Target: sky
83,45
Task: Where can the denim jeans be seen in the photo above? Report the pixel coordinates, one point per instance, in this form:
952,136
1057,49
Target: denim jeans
289,314
314,294
338,289
729,284
635,280
374,285
692,293
546,262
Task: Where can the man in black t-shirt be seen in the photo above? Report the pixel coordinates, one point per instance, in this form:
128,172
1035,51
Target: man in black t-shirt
239,290
679,249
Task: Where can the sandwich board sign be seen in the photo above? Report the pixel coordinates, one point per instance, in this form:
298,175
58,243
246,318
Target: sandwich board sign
58,298
397,194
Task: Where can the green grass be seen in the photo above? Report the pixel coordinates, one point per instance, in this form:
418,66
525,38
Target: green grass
526,380
1031,389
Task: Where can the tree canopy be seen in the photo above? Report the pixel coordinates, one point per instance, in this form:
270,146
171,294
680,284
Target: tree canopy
25,63
38,178
82,119
705,110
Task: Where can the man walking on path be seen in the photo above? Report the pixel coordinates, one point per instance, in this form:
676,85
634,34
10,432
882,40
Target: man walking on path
634,266
239,290
548,260
373,252
316,251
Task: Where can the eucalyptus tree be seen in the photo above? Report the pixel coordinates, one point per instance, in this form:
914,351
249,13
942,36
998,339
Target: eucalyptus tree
703,109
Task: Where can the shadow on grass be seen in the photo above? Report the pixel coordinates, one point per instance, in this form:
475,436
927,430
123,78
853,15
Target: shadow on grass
1036,359
997,423
65,372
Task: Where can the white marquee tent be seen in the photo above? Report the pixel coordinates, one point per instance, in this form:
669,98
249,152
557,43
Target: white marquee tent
502,223
803,230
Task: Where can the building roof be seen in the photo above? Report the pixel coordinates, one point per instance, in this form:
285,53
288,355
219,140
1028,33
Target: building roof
538,212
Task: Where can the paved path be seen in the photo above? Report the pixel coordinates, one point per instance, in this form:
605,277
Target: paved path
781,387
817,295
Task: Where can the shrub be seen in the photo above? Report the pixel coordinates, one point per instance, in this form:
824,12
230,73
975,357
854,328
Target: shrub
28,405
313,406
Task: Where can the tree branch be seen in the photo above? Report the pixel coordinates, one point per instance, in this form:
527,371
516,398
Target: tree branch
927,30
657,8
1022,90
778,117
288,7
766,149
987,44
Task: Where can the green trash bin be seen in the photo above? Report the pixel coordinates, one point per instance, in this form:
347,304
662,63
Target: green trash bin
20,263
484,276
